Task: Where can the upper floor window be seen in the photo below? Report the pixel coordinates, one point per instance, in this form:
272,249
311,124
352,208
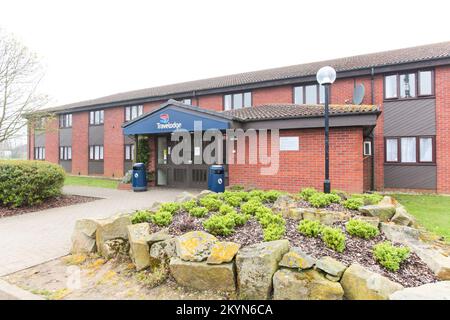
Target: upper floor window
39,153
237,100
132,112
96,117
310,94
408,85
186,101
40,123
65,120
410,150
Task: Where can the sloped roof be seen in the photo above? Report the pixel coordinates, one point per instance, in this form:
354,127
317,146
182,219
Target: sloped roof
393,57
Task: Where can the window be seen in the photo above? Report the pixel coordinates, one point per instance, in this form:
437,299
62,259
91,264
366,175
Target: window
310,94
129,152
237,100
65,120
95,152
367,148
39,153
133,112
96,117
408,85
425,83
65,153
40,123
410,150
186,101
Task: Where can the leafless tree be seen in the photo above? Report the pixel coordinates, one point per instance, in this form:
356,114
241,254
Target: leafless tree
20,75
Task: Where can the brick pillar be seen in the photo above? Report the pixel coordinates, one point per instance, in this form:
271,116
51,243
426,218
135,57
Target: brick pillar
80,135
114,142
379,136
30,141
52,140
442,91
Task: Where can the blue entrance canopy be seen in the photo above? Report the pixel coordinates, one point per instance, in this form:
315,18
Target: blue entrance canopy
174,115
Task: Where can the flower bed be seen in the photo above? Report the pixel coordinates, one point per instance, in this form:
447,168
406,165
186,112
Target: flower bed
194,231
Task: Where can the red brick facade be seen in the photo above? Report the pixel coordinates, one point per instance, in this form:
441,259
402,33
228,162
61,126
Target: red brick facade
52,140
113,142
305,168
80,134
442,81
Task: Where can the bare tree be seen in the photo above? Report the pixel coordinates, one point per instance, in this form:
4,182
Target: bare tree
20,74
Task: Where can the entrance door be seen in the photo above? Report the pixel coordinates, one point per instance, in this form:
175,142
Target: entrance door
187,175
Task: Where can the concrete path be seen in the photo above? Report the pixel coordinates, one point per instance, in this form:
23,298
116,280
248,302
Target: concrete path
33,238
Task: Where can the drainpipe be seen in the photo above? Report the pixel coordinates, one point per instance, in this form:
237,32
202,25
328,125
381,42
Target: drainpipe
372,99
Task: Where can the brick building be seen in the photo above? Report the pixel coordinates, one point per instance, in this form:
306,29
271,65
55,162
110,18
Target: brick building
395,137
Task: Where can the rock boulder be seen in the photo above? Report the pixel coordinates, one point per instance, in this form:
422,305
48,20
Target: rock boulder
430,291
83,237
331,266
222,252
195,245
110,229
297,259
383,212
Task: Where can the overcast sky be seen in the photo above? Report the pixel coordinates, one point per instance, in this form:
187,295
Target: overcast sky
95,48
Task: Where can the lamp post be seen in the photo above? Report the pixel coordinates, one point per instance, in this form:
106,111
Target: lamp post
325,77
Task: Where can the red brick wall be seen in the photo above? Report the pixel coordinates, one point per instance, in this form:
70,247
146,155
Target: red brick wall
211,102
442,81
150,106
52,140
379,135
30,141
367,173
305,168
280,94
113,142
342,90
80,134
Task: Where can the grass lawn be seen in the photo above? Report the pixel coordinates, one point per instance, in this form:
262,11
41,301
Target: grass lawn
431,211
91,182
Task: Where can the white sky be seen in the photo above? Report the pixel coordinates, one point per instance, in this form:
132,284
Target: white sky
95,48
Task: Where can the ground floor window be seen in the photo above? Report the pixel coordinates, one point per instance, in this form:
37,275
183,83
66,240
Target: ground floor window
65,153
95,152
39,153
129,152
410,149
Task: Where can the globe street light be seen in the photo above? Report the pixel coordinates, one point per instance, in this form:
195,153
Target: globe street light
325,77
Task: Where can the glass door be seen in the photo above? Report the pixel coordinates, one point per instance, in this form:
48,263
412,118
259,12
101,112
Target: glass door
162,161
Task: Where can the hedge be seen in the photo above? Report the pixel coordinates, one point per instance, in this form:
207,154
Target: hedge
24,182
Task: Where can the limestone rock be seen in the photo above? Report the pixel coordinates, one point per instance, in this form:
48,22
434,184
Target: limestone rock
83,237
203,276
387,200
402,217
304,285
383,212
109,229
372,220
401,234
184,196
163,250
297,259
286,205
326,217
294,213
362,284
331,266
256,265
223,252
195,245
430,291
115,247
203,194
434,259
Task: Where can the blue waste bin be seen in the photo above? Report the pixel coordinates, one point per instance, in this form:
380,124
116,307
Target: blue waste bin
139,179
216,178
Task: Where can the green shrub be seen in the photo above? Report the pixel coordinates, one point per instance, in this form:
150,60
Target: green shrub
353,203
210,203
172,207
162,218
251,207
24,182
256,193
265,217
369,198
361,229
141,216
307,192
270,196
198,212
239,218
390,256
220,225
225,208
188,205
333,238
234,201
236,187
309,228
274,232
320,200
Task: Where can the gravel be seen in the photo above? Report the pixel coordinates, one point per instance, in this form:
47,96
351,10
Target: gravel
60,201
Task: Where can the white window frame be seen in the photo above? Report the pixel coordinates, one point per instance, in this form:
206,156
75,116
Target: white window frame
367,144
229,100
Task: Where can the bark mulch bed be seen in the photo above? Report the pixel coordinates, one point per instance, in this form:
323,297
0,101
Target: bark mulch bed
413,272
56,202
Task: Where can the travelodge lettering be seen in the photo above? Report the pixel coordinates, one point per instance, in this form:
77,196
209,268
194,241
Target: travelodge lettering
164,122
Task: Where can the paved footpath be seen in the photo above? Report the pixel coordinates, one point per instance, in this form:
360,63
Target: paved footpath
33,238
